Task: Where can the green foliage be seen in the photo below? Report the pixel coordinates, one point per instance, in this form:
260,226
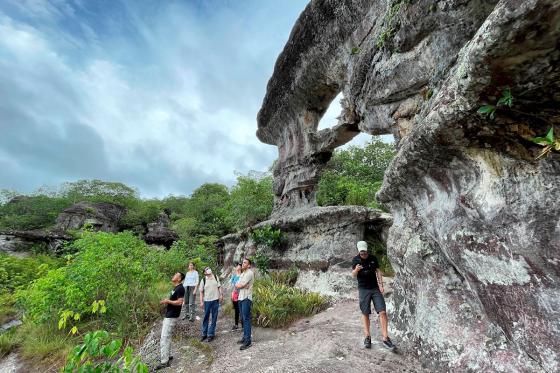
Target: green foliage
208,207
354,175
390,27
31,212
98,191
549,142
355,50
379,250
139,214
250,202
8,342
18,273
288,277
118,268
202,254
262,262
489,110
277,305
99,353
267,236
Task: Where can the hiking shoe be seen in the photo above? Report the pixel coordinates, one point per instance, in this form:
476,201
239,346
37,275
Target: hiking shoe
245,346
203,338
235,327
389,344
241,342
162,365
211,338
367,342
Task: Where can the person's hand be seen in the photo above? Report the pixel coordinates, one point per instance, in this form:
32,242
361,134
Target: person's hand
359,267
221,298
163,301
381,289
202,305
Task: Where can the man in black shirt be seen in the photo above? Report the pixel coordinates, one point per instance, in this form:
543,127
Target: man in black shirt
370,288
174,304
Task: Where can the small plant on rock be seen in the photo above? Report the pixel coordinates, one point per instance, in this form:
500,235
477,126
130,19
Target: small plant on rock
549,143
490,110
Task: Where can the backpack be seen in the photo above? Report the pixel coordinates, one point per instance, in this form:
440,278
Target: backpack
204,281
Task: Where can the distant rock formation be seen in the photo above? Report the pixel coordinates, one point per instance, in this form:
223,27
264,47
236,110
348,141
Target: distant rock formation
99,216
463,86
159,232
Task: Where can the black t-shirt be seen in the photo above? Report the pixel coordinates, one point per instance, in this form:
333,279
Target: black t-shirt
367,278
174,311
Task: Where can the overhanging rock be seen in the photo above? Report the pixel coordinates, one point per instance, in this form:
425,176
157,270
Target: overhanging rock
475,241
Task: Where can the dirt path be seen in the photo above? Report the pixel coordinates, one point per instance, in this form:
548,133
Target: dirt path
328,342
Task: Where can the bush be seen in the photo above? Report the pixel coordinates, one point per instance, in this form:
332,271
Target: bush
288,277
203,254
118,268
251,201
99,353
277,305
267,236
8,342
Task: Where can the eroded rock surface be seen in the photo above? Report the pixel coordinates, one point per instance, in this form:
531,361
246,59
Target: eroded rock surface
476,236
319,241
100,216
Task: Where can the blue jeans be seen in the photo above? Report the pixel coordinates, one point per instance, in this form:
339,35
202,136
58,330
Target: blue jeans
245,308
211,306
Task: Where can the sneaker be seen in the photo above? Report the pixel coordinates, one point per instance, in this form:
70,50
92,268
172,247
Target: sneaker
203,338
235,327
245,346
389,344
191,319
241,342
161,366
211,338
367,342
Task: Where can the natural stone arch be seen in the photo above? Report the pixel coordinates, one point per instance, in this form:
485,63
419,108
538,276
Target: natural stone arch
473,292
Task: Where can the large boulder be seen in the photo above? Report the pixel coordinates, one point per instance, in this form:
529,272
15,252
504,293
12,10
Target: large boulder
475,242
159,232
100,216
320,242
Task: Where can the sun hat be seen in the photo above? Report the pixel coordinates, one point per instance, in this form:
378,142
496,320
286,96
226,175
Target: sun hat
362,246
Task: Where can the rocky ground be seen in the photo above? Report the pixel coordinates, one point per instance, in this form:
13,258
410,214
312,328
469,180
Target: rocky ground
328,342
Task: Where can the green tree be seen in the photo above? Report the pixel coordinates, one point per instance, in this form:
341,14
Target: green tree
251,200
208,206
354,175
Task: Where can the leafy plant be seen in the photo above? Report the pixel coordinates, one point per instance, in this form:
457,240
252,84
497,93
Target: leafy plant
277,305
267,236
262,262
99,353
355,50
549,142
490,110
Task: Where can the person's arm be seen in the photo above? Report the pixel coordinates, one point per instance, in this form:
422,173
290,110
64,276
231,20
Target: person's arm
196,286
243,281
177,302
356,267
379,276
201,292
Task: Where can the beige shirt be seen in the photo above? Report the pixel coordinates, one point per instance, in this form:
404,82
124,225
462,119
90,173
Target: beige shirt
247,277
211,289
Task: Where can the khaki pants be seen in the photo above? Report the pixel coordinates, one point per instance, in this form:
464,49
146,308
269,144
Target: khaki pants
165,340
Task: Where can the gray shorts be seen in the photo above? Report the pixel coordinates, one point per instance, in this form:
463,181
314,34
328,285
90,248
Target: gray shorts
367,296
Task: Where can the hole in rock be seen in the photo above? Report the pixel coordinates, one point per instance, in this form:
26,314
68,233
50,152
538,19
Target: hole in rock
374,236
329,118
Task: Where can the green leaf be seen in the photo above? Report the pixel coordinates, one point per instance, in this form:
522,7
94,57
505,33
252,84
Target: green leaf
74,330
540,140
550,136
355,50
486,109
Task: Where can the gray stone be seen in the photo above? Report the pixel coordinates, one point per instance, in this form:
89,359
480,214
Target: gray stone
100,216
159,232
475,242
319,241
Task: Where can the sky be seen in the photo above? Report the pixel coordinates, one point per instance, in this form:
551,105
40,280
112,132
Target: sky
159,95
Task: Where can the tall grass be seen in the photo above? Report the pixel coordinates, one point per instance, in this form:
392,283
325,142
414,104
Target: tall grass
277,305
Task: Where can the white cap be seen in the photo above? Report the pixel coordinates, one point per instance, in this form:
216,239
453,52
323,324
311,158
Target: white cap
362,246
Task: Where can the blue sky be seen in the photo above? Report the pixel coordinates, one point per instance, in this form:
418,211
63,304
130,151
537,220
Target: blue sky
160,95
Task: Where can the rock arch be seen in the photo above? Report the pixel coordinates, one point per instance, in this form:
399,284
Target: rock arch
475,239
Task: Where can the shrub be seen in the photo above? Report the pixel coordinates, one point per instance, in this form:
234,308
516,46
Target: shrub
251,200
99,353
118,268
288,277
267,236
277,305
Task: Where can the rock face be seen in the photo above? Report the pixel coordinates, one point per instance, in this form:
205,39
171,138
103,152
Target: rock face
320,242
159,232
100,216
475,241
